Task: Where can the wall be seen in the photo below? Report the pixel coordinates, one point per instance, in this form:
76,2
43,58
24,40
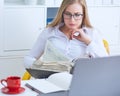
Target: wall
11,66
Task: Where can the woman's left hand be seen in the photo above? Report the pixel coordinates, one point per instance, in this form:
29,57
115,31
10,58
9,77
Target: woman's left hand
80,35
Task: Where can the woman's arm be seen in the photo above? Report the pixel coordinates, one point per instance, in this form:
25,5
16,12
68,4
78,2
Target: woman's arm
37,50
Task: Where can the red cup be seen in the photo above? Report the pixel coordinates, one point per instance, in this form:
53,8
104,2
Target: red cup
13,83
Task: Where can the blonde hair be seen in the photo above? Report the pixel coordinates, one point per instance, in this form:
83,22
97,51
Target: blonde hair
65,3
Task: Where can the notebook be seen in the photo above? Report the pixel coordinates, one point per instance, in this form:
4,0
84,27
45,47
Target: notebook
96,77
54,83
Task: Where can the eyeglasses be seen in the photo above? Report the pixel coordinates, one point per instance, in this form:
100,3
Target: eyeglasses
76,16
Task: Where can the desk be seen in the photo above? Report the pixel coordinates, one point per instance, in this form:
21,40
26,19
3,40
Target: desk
27,92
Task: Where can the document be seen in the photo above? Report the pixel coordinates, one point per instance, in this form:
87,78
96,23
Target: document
52,54
55,82
53,60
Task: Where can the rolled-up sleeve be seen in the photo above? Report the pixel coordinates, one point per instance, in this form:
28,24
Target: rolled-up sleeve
96,47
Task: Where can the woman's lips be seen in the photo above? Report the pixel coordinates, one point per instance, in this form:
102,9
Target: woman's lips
72,25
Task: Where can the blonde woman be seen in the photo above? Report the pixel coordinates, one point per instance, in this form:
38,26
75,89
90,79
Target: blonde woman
71,33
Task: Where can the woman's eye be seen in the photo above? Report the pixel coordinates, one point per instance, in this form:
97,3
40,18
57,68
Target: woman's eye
68,14
77,14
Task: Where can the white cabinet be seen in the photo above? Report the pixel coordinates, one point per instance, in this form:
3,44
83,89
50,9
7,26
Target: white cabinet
21,26
21,23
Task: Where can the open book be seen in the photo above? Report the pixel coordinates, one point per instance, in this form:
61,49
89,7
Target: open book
55,82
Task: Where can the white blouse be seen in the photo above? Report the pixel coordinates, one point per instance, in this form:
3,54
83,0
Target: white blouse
70,48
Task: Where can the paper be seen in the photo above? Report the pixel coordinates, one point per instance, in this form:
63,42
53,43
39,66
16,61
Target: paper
53,66
52,60
52,54
55,82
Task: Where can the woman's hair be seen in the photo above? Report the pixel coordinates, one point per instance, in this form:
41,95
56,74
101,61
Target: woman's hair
65,3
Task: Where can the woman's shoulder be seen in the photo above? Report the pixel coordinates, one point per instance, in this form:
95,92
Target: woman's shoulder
94,32
53,27
48,29
48,32
89,29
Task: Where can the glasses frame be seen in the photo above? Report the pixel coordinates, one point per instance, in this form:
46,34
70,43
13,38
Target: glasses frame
72,15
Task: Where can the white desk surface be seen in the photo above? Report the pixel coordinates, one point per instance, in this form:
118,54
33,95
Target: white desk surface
27,92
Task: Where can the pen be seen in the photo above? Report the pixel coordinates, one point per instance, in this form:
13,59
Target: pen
32,88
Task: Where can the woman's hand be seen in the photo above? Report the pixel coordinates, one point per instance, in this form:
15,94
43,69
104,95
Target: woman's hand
80,35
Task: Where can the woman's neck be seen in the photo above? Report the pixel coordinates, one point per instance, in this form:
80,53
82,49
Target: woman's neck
66,31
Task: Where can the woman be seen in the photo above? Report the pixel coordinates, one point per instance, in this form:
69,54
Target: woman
71,33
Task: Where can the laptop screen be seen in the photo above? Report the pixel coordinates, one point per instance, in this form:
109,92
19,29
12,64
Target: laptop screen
96,77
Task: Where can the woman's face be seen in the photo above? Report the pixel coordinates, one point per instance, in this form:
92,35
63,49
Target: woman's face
73,16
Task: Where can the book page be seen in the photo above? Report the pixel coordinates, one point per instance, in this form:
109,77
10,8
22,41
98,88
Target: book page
55,82
63,79
43,86
52,54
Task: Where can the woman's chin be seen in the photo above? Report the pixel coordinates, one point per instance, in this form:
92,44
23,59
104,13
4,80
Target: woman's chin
73,28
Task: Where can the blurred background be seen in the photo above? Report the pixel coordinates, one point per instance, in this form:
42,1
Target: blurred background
21,21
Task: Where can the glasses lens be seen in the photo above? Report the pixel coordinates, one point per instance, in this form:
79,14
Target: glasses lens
67,15
77,16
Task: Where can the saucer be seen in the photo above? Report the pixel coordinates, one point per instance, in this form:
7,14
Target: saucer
7,91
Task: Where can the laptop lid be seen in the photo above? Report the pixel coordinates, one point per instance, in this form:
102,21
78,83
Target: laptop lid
96,77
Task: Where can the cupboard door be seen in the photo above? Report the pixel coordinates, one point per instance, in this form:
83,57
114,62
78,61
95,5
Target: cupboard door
1,24
21,27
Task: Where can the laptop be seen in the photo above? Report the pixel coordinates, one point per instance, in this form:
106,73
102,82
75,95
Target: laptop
94,77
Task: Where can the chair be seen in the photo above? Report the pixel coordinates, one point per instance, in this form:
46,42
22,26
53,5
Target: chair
27,76
106,45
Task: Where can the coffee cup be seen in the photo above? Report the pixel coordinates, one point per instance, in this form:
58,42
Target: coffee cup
13,83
